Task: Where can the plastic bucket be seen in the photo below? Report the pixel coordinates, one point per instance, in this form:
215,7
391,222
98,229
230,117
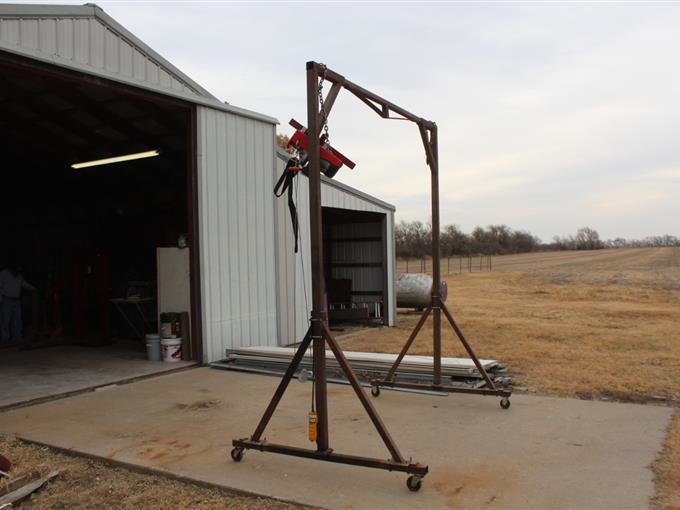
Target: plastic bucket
171,348
170,325
153,347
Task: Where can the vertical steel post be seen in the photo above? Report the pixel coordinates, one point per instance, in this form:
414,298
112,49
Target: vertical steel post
436,262
316,238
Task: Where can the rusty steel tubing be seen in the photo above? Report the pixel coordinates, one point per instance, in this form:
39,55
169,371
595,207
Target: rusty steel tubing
468,348
407,345
361,92
431,143
316,237
330,456
356,385
448,389
281,389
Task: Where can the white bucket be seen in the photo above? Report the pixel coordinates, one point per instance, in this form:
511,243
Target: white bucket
171,348
153,347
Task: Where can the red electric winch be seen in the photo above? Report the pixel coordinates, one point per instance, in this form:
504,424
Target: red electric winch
331,159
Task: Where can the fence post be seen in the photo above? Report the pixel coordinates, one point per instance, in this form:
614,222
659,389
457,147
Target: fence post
460,265
448,265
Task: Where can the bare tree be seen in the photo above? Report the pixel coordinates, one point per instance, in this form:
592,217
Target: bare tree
454,241
522,242
588,239
412,239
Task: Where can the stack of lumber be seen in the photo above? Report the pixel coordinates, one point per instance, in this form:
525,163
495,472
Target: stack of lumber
366,365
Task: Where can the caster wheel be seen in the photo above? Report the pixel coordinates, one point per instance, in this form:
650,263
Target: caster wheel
505,402
375,391
414,483
237,454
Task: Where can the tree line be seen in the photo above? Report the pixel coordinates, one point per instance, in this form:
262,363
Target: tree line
413,239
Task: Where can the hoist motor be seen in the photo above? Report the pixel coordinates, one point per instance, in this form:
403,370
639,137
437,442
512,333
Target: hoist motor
331,159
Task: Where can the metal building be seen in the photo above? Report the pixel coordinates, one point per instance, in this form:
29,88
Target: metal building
78,86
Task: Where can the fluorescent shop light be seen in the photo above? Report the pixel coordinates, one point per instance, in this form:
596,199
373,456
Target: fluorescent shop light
116,159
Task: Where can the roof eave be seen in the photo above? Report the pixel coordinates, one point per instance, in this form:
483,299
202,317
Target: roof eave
91,10
100,73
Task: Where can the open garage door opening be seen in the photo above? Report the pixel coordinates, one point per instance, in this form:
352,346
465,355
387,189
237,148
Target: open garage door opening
91,239
355,266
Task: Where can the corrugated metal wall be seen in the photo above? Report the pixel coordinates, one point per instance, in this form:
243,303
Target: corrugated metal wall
87,41
294,270
364,279
237,231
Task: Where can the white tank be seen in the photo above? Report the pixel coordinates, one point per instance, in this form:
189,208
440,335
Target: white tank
414,290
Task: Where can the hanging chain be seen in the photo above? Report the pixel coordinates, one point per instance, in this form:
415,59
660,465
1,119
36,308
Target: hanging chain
324,114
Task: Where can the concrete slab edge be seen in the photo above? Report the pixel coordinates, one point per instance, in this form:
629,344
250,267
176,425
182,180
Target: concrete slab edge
67,394
156,472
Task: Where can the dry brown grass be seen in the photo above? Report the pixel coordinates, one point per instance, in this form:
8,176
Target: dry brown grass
89,484
667,469
600,324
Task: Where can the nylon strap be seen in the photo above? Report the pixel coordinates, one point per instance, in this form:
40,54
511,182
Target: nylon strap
284,183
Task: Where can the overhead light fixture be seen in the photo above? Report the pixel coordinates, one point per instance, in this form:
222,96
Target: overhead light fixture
116,159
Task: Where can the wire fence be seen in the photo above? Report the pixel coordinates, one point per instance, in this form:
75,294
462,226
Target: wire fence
449,265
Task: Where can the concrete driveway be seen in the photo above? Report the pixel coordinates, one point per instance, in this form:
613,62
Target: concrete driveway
541,453
27,376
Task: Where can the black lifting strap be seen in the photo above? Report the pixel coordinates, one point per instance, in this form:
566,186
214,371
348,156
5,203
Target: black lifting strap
284,183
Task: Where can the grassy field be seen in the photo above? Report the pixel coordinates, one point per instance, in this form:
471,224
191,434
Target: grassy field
603,324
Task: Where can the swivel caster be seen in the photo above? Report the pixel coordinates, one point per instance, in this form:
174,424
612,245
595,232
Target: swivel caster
414,483
505,402
375,391
237,454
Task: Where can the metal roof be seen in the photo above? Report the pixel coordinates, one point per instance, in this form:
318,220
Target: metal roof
23,29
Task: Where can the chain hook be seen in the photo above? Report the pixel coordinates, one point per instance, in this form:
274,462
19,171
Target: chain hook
322,107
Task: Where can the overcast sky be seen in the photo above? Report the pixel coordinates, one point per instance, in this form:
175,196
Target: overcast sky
551,116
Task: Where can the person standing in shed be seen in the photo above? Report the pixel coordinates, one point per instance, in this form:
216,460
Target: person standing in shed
12,283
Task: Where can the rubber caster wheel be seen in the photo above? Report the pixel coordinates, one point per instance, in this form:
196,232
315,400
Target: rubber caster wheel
237,454
375,391
414,483
505,402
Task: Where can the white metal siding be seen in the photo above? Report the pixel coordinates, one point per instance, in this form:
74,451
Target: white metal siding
237,232
88,41
295,297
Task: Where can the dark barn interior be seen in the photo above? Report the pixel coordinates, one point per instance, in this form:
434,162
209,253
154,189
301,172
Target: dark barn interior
355,265
83,237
